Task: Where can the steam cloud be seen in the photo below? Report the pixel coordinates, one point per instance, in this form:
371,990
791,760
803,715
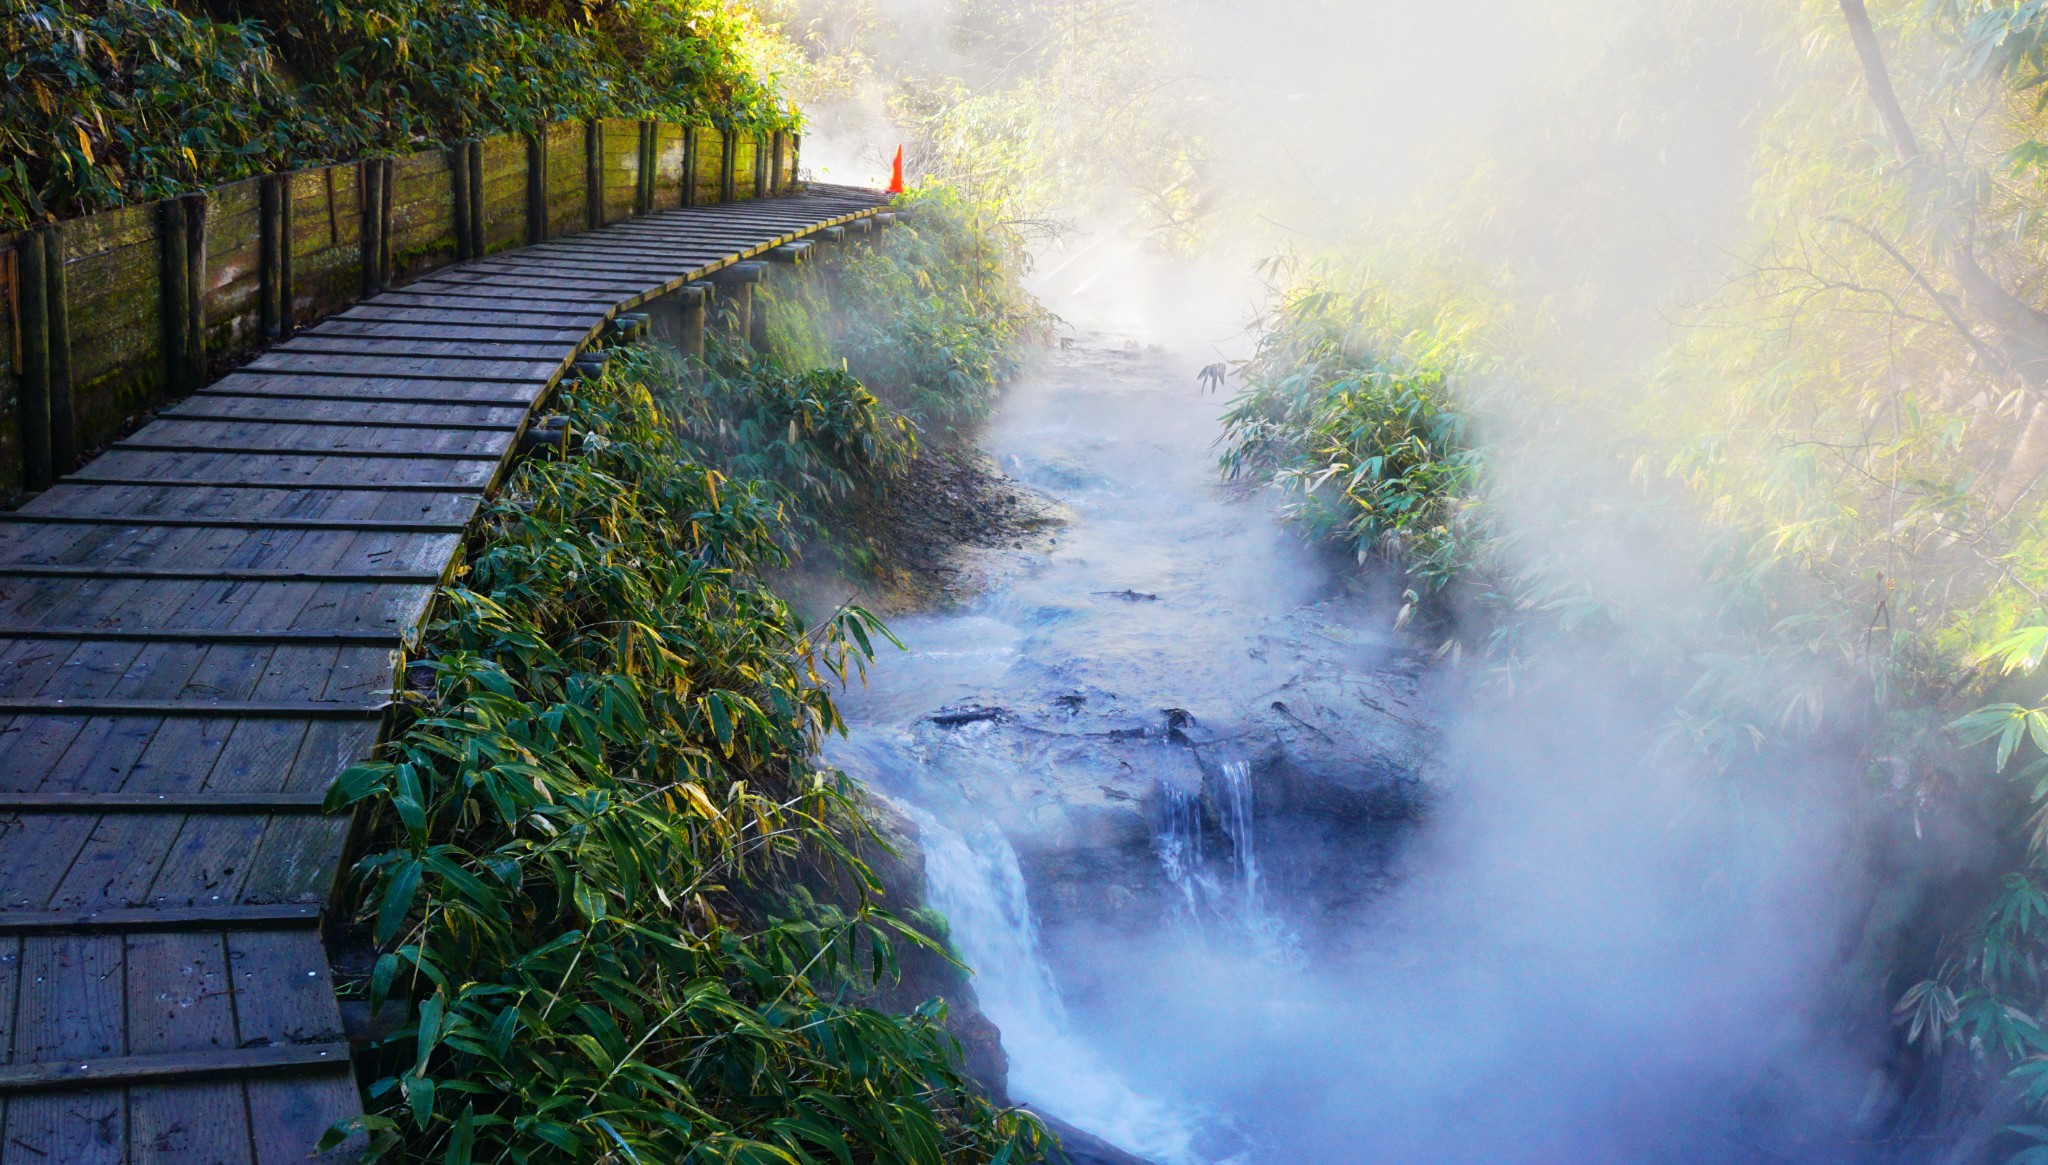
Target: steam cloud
1593,952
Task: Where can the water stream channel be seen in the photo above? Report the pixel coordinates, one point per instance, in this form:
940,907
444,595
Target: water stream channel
1178,746
1246,879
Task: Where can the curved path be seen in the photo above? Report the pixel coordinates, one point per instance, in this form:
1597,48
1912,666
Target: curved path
202,628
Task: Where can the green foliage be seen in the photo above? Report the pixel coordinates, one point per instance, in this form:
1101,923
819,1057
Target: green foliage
819,437
621,904
112,101
933,318
1350,415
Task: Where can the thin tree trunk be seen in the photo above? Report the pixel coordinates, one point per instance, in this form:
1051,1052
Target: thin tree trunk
2021,328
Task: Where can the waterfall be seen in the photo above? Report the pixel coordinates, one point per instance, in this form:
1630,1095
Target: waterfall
980,888
1241,903
1178,843
1239,824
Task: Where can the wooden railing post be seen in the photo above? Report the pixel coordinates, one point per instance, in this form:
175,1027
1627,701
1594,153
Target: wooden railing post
176,295
640,168
193,376
458,192
643,190
726,161
384,184
270,249
761,152
689,166
593,172
57,303
370,187
537,186
475,164
33,404
287,290
775,163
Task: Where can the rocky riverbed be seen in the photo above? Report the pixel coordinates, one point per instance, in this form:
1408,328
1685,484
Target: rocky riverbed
1135,713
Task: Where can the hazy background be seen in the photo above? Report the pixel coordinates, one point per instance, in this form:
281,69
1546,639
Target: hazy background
1600,950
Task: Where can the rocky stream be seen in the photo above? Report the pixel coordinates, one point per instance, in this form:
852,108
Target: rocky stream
1153,732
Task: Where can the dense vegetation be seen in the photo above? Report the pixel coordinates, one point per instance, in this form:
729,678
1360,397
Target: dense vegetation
961,323
1853,416
627,913
104,102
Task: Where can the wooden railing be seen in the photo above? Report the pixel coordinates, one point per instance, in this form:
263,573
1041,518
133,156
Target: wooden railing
110,316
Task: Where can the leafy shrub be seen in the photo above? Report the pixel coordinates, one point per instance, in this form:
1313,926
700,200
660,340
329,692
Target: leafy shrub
618,898
1353,421
933,319
113,101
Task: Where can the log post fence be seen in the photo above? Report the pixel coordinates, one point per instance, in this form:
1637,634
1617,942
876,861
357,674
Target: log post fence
171,287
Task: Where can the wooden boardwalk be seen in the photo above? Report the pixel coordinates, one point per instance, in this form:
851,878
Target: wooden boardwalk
203,627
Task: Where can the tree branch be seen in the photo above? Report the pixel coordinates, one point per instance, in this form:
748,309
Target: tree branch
1879,80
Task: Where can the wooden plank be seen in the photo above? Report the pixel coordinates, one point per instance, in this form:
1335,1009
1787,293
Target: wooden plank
394,408
75,802
179,1004
385,454
116,634
512,285
399,307
214,573
70,1010
508,294
126,920
126,520
285,996
273,484
194,466
293,386
70,1006
631,266
102,1071
212,503
532,333
409,367
438,349
235,709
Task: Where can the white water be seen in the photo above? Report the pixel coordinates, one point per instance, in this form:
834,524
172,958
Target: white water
1181,852
1238,824
980,888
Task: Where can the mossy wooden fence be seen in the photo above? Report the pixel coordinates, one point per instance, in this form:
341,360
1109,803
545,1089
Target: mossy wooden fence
110,316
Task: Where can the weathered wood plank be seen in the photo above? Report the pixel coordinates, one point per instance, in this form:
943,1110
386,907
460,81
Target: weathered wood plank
445,330
178,1003
408,367
70,1010
285,996
174,1066
140,920
265,407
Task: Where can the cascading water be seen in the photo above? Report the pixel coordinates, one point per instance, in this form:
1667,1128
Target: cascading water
1238,899
1179,846
980,888
1238,823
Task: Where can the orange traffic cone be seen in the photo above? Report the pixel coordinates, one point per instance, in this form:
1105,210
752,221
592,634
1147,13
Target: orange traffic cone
896,173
